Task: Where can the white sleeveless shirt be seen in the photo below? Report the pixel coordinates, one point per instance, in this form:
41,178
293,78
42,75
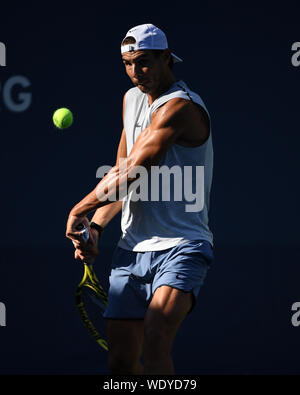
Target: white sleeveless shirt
170,220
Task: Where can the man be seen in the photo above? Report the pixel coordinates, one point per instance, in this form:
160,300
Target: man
166,248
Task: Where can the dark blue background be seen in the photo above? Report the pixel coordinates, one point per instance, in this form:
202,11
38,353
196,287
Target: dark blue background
237,56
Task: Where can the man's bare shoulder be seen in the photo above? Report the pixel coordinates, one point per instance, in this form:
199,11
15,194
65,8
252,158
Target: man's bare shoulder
190,117
183,108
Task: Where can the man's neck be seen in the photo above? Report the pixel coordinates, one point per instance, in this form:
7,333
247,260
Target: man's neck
163,87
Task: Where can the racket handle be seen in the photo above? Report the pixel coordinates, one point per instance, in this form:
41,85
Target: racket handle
84,232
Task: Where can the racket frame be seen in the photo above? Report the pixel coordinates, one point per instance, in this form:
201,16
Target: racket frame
91,281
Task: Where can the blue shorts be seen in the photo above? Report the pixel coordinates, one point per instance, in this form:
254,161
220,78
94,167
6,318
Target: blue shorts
136,275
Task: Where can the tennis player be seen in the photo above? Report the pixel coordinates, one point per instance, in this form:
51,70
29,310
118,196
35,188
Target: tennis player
165,249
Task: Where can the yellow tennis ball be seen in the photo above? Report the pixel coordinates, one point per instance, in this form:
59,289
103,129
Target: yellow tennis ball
62,118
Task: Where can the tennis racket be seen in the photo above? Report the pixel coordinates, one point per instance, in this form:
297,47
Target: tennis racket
91,300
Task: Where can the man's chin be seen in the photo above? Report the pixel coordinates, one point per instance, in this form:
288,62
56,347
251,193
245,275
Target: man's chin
143,88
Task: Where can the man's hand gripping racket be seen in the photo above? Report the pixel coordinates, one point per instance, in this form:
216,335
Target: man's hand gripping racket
91,299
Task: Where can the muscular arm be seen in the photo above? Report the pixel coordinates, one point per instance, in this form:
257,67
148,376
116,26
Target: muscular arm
170,123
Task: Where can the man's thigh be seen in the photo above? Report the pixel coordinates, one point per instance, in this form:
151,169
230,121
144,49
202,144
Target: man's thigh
167,310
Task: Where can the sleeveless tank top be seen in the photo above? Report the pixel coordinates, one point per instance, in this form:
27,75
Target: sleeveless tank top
162,222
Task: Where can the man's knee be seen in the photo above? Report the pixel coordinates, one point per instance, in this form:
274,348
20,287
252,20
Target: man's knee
125,341
164,316
158,338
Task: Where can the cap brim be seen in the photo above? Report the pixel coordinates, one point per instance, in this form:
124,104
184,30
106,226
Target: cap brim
176,59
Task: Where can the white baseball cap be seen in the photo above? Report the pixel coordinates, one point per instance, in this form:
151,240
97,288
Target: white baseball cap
147,36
